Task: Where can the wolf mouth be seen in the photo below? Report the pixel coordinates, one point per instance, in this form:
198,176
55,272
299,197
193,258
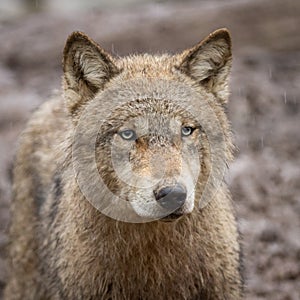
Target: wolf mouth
177,214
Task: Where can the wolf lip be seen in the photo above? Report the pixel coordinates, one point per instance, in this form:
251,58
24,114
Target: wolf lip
172,217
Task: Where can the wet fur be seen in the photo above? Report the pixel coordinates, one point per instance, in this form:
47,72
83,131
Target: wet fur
63,248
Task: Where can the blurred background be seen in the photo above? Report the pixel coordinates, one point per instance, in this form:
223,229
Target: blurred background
264,104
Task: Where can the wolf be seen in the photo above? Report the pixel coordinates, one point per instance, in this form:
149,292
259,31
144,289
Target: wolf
119,188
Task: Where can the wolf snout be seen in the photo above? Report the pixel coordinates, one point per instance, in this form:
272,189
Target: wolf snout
171,197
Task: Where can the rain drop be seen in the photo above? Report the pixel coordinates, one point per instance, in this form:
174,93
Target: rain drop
285,99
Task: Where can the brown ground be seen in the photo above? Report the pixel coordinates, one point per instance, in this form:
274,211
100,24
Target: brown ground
264,109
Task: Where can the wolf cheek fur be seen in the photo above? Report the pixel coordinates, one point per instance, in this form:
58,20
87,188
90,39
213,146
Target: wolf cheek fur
63,247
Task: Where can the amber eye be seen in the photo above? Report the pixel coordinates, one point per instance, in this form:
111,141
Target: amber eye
128,135
186,131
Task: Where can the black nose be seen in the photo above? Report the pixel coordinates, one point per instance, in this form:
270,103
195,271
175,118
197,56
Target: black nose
171,197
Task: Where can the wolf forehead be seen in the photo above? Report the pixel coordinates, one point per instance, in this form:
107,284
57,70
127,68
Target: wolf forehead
137,103
152,112
152,66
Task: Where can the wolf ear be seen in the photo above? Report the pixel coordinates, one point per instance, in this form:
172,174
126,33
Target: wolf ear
87,67
209,63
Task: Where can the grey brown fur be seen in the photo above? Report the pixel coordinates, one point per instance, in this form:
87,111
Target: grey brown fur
62,247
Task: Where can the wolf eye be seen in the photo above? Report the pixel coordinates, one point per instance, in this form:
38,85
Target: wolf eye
128,135
186,131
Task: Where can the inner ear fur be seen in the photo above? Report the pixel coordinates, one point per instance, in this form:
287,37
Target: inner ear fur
87,67
209,63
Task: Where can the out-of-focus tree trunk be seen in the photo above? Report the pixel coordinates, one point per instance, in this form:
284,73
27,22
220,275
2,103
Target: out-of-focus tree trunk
33,5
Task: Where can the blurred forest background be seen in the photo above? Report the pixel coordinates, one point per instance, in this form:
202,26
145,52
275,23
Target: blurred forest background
264,105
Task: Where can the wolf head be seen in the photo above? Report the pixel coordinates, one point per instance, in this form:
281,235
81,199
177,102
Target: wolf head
152,128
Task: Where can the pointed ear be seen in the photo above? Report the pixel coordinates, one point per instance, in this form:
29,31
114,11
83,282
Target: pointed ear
87,67
209,63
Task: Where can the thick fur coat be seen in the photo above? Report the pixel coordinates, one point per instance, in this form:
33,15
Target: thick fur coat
65,247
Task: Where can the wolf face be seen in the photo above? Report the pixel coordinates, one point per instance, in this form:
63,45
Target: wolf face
146,123
155,155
